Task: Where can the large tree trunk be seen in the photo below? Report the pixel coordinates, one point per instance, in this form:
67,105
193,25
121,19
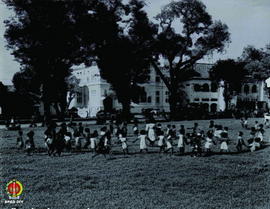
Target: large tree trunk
173,104
47,112
126,116
173,96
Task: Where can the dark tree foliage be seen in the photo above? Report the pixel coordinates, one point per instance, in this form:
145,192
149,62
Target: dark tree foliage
9,101
257,61
187,34
50,36
43,40
121,48
232,73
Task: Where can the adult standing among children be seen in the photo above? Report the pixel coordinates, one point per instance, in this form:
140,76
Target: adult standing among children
151,132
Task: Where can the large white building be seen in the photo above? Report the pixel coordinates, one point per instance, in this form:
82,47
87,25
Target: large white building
199,90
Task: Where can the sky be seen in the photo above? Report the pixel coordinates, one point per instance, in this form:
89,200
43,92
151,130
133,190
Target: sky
248,22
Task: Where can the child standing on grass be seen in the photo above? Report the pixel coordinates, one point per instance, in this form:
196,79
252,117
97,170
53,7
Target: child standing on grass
181,142
142,138
198,142
240,142
30,136
77,140
217,131
161,141
224,142
123,139
260,132
168,130
93,140
246,123
169,146
101,148
211,124
87,138
20,142
29,143
28,148
158,130
173,132
255,145
267,123
208,143
67,138
193,143
256,126
151,133
135,130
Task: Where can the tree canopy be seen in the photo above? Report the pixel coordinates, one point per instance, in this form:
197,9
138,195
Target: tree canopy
50,36
257,61
187,33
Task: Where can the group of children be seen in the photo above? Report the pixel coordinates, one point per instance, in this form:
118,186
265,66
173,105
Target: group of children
73,137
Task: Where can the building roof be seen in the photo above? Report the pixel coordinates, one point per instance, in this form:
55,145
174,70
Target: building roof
203,70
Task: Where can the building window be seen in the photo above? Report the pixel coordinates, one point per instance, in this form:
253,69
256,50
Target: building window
205,99
167,96
214,100
205,87
157,79
149,99
157,96
205,107
197,87
214,87
254,89
196,99
246,89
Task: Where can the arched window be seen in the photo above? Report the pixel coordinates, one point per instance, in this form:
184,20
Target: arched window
205,107
254,89
85,96
80,96
214,87
197,87
205,87
246,89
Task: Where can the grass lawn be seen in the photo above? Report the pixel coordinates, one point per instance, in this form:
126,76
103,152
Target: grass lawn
75,181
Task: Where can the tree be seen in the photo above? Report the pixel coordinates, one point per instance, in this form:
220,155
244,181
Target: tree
187,34
232,73
72,32
43,40
121,48
257,61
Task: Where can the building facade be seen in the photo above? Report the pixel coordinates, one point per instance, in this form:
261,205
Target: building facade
94,90
199,90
